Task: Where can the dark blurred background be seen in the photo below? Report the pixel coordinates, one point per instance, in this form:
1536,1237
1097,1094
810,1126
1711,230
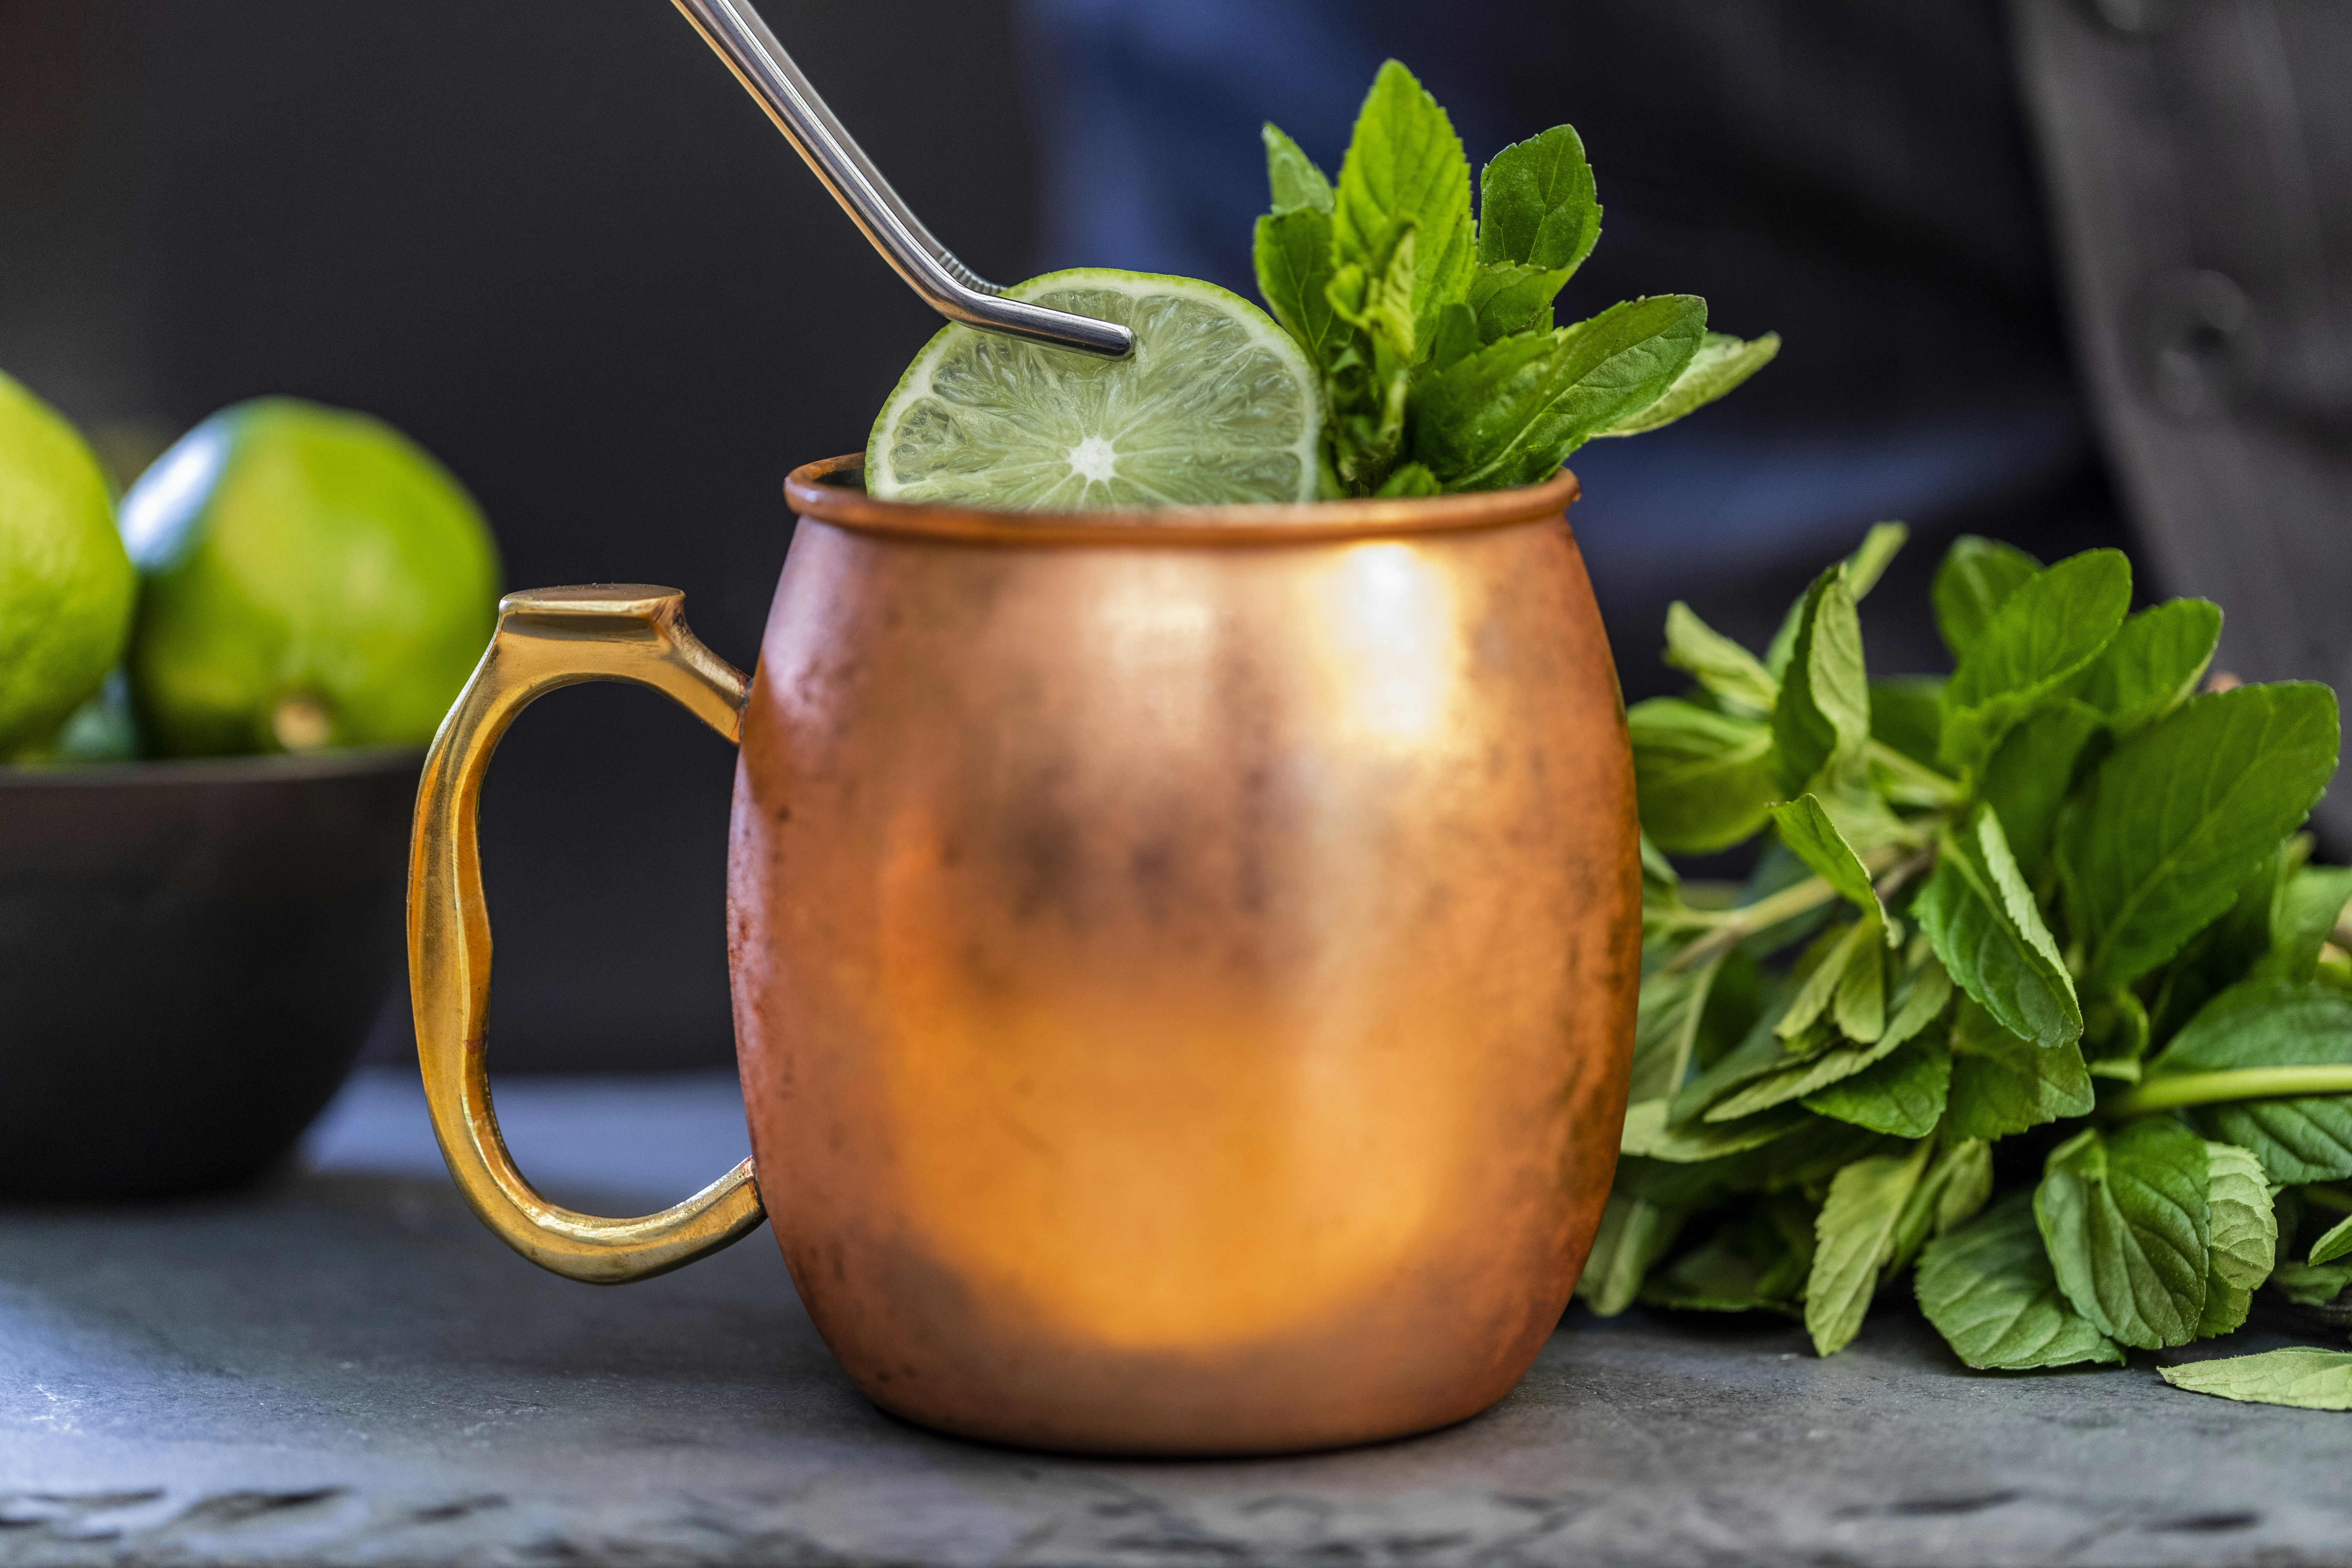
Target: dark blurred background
2067,273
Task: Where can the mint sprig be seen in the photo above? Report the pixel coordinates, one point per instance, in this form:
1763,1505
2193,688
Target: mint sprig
1431,333
2060,895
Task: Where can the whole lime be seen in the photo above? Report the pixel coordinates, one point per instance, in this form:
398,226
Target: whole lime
66,587
311,578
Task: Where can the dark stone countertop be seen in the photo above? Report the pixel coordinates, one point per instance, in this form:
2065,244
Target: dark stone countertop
346,1368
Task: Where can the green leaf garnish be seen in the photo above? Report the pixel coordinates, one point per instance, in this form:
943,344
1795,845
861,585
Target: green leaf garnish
1988,1289
2099,922
1983,919
1295,180
2157,841
1822,715
2244,1242
2004,1084
1405,171
2308,1380
2127,1220
2047,631
1407,305
1509,413
1853,1240
1976,579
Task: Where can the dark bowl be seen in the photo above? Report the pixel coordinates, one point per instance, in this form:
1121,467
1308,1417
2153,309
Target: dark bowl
191,957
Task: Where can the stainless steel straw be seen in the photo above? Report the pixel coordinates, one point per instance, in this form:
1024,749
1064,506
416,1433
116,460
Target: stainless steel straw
735,30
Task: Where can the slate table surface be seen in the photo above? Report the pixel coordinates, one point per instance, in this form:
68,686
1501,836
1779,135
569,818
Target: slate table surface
343,1367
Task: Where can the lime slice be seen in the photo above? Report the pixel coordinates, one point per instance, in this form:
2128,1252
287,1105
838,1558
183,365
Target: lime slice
1216,404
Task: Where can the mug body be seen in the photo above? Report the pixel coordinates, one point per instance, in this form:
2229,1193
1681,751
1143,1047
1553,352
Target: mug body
1184,989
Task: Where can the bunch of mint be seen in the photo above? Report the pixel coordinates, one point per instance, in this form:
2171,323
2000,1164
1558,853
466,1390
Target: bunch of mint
1432,335
2054,932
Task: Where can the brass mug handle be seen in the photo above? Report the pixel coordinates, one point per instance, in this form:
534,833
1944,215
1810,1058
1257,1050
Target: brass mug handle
547,638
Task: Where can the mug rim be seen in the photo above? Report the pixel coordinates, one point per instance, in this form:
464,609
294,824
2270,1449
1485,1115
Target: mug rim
811,494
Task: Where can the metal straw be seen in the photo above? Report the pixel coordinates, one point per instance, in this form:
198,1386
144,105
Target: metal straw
735,30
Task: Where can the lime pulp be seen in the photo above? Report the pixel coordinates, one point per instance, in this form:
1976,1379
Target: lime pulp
1216,404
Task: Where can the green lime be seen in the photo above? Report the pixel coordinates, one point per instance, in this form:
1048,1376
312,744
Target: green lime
311,578
66,588
1216,404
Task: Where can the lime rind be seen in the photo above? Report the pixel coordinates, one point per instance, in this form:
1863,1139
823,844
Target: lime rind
66,589
1217,405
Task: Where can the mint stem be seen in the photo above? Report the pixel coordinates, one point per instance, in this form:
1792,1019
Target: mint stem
2174,1090
1924,785
1733,927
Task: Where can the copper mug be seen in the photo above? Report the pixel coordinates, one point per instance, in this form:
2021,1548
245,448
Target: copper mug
1183,962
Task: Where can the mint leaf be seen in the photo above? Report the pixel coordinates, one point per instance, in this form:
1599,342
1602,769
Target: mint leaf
1410,480
2002,1084
1811,1156
1853,1240
1955,1188
1656,869
2126,1218
2309,1287
1817,991
1722,666
2244,1242
1906,712
2154,664
1814,838
2028,778
1903,1095
1986,927
1968,1185
1862,570
2274,1023
2226,950
2335,1244
1537,206
1871,557
2302,917
1293,254
2306,1379
1860,1009
1511,413
1504,299
1378,300
1789,1083
1405,170
2264,1023
2043,635
1704,781
1456,338
1922,999
2157,841
1758,1259
1759,1055
1977,576
1370,378
1775,1081
1823,711
1721,364
1634,1234
1667,1023
1295,180
1647,1135
1988,1289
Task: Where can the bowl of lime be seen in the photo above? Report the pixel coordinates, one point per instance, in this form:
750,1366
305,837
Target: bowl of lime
214,698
